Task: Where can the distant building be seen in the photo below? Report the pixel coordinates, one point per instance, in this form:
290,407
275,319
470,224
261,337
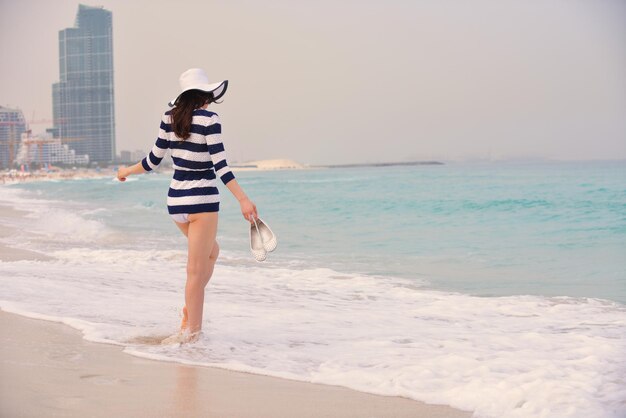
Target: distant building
138,155
12,125
125,156
43,149
133,157
83,99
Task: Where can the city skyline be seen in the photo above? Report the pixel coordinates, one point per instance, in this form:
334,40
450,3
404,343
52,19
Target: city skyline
428,80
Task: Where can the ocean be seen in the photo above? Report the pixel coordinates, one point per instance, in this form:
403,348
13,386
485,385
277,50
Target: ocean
493,287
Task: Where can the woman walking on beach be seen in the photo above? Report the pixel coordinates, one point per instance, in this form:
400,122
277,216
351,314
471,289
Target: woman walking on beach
193,134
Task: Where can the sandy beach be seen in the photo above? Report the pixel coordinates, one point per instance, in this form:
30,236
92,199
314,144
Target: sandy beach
16,177
49,370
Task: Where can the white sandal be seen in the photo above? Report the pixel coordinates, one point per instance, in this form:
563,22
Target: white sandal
268,237
256,242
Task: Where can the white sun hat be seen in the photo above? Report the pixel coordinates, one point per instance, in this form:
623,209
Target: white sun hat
196,79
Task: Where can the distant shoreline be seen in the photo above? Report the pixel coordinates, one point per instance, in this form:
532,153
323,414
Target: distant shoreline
381,164
14,176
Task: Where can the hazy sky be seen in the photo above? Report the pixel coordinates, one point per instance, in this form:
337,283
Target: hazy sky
353,81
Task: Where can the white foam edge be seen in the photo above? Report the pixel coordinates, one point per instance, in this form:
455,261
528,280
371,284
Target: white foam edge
85,327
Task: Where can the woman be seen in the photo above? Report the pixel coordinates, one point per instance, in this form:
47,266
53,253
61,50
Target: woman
192,133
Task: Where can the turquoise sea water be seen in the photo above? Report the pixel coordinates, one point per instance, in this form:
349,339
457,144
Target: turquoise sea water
495,288
484,229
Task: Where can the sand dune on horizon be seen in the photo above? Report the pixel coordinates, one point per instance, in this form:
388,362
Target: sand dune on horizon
275,164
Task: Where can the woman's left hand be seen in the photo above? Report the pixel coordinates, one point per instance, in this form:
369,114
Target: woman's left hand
248,209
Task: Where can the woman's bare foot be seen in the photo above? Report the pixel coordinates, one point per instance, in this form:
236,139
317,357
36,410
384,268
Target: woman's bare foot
182,337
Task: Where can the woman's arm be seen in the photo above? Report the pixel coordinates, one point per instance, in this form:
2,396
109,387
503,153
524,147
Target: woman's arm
124,172
154,157
213,135
248,209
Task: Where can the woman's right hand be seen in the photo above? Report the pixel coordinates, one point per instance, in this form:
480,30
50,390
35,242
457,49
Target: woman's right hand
122,173
248,209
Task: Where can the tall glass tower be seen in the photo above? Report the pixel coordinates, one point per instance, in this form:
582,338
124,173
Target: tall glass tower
83,101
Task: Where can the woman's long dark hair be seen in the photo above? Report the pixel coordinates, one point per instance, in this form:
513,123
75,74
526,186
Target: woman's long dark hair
182,113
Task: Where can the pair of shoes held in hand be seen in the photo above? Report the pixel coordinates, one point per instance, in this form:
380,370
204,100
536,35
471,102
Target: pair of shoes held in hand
262,239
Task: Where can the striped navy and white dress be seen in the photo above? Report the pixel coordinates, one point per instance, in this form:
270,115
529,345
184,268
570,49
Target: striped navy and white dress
197,161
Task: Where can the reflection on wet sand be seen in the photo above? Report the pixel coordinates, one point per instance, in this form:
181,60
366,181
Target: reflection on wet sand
185,394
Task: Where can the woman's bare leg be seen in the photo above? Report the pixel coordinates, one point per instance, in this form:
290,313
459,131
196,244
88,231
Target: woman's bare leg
184,228
215,252
213,258
201,239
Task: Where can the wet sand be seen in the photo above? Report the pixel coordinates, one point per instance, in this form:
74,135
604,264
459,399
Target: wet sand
47,369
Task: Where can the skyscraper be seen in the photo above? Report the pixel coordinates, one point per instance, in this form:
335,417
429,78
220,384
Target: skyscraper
12,125
83,99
